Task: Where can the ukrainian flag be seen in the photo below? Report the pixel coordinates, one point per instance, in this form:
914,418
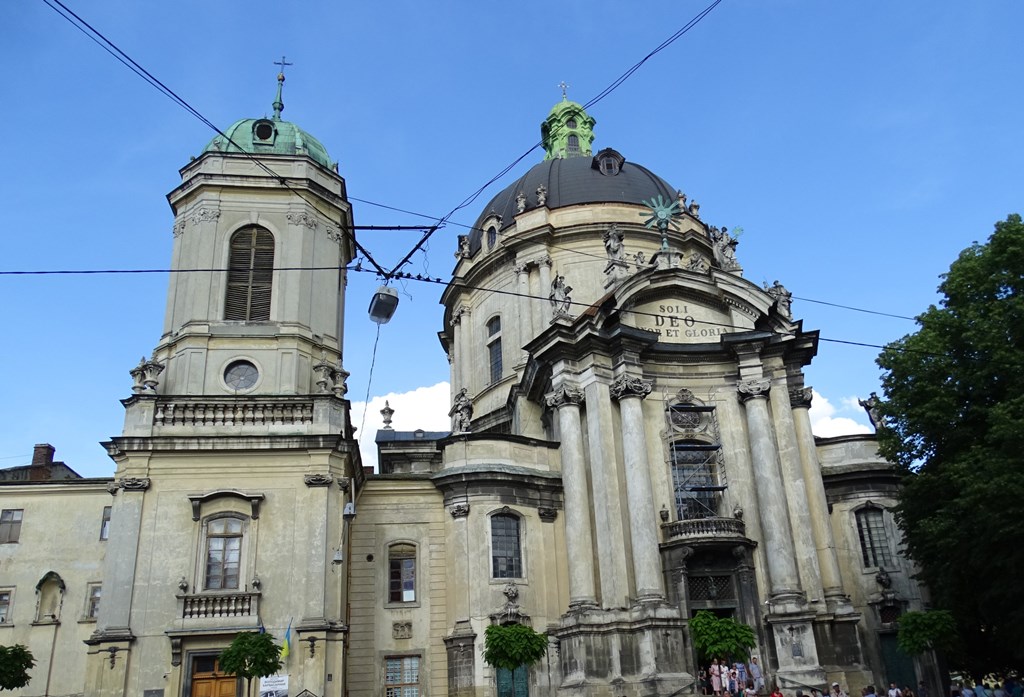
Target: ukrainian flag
286,647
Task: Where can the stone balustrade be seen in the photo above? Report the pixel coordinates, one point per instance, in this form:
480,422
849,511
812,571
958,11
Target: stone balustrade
704,528
178,411
219,605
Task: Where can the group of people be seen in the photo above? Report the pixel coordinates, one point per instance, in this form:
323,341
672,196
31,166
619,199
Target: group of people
1011,687
722,677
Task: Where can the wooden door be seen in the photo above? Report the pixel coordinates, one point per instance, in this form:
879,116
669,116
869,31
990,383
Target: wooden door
209,681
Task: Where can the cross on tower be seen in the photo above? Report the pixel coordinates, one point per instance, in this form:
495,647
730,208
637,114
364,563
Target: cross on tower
564,85
282,63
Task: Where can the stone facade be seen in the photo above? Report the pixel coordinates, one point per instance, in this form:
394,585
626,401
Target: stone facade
630,444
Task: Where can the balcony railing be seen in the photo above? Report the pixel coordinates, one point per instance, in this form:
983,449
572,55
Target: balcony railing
200,412
219,605
704,528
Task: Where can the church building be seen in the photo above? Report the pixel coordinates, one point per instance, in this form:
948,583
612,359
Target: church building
630,445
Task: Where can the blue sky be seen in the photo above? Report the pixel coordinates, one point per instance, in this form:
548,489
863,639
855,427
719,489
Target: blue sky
860,146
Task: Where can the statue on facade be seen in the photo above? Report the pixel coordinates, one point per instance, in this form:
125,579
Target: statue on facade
640,259
542,195
463,251
783,298
871,407
560,298
694,209
462,412
613,238
725,248
697,263
520,202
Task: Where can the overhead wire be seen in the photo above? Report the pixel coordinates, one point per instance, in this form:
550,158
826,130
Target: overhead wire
600,96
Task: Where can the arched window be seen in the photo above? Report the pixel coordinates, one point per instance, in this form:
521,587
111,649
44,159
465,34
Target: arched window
574,144
494,348
695,479
874,543
506,554
223,553
250,274
401,573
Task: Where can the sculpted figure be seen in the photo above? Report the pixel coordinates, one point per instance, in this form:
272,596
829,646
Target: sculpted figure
520,202
613,243
782,296
560,298
871,407
462,412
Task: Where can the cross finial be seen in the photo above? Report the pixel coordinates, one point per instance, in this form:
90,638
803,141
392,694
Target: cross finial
282,63
564,85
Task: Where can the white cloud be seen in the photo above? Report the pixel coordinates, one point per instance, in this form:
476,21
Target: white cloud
825,423
424,407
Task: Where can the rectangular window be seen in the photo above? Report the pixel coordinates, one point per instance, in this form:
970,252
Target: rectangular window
105,523
506,554
223,553
6,596
402,574
494,348
92,600
874,544
402,676
10,524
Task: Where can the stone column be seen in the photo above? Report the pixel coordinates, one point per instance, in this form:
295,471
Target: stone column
643,527
817,504
456,356
579,538
464,339
122,551
458,557
796,494
524,323
783,577
314,613
545,288
608,499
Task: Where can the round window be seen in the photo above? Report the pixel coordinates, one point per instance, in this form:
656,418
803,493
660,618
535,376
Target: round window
241,375
264,131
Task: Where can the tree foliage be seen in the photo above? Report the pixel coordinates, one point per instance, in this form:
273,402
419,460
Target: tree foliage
721,637
15,663
954,423
920,632
251,655
512,645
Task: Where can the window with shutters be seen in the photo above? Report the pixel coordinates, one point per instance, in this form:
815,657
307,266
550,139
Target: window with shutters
494,348
250,275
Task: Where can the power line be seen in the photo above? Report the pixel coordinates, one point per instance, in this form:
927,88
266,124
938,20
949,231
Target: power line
601,95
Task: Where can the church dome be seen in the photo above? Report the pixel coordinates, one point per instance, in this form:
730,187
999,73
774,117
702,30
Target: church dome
271,136
574,181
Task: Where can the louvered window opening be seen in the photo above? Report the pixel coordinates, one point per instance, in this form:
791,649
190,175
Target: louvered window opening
250,275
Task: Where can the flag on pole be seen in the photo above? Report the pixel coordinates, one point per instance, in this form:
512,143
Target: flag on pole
286,647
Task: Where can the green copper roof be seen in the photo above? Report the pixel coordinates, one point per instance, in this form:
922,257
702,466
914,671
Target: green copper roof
271,136
568,131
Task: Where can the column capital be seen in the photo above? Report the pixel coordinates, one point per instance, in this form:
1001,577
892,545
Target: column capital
543,260
800,397
753,389
522,268
458,313
630,386
565,396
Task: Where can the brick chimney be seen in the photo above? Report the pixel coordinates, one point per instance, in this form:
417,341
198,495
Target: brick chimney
42,461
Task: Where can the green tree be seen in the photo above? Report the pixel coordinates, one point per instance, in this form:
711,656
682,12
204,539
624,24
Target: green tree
15,662
251,655
512,645
721,637
954,424
920,632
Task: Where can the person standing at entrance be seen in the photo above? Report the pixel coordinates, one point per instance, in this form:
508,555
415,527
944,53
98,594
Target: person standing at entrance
716,677
756,675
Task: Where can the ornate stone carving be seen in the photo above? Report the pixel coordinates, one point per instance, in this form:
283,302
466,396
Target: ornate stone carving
458,313
183,584
756,388
725,248
522,268
387,412
401,630
870,405
547,514
564,396
640,259
783,298
694,209
134,483
543,260
256,582
302,218
344,483
318,479
145,374
685,396
883,579
511,591
459,510
463,251
801,397
630,386
179,228
560,299
332,233
330,377
112,488
175,651
542,195
461,412
520,202
617,267
697,263
205,215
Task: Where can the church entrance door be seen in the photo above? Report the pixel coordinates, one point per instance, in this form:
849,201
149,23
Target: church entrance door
209,681
512,683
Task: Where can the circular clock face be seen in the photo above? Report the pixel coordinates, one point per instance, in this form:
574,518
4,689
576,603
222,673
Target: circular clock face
241,375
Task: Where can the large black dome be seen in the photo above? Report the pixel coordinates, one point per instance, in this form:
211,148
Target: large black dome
573,181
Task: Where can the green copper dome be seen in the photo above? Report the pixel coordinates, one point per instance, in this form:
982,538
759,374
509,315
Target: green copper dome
271,136
568,131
